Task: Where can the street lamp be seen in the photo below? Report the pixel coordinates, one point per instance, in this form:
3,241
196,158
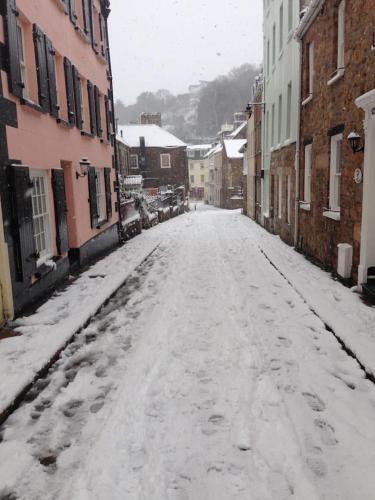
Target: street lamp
355,140
84,164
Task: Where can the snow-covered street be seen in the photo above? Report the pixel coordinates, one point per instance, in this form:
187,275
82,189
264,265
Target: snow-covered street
206,377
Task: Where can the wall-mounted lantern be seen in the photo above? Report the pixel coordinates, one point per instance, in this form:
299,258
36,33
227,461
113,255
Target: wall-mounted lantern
355,141
84,164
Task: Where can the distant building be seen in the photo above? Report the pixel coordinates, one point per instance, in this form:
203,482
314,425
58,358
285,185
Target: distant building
232,174
198,163
150,119
157,155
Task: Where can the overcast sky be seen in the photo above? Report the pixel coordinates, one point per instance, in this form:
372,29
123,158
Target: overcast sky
170,44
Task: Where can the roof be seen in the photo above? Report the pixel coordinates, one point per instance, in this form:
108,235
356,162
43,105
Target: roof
238,130
198,147
233,147
311,12
121,139
215,149
155,136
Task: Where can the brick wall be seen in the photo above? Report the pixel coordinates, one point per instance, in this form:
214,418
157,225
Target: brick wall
332,106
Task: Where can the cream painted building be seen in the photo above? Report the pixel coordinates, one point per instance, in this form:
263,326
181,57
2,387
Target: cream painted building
198,164
6,301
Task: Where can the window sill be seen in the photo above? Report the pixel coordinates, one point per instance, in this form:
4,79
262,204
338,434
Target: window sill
87,134
101,58
64,123
290,35
62,6
32,105
102,223
340,73
332,215
304,205
288,142
307,100
82,34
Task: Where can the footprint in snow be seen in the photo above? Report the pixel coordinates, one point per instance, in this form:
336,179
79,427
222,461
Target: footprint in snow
283,342
317,465
326,431
315,403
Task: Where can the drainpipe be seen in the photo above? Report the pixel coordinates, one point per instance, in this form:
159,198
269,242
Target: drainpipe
114,124
298,148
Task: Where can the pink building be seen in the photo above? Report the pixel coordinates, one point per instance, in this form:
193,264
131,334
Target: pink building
57,157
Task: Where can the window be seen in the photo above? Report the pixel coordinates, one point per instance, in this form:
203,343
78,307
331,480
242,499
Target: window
290,15
281,27
202,178
280,124
273,126
280,197
191,153
274,44
289,198
100,195
310,69
202,165
289,112
268,58
134,161
192,179
341,36
165,160
335,173
307,180
21,55
267,130
40,214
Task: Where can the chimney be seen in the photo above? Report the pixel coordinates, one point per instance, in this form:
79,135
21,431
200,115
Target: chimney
150,119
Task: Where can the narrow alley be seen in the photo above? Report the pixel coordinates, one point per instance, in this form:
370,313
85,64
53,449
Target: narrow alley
205,377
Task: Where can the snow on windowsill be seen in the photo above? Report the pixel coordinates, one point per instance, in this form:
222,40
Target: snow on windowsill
305,206
332,215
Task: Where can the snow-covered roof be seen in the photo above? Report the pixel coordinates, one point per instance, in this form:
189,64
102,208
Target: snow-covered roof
232,148
310,14
121,139
155,136
215,149
197,147
133,180
238,130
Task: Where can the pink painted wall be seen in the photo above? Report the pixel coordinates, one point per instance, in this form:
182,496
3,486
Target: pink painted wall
41,143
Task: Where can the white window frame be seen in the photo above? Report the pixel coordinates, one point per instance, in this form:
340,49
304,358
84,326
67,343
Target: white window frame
341,36
335,173
191,153
131,164
290,16
41,215
100,195
192,179
21,55
289,111
167,155
280,197
281,27
307,176
280,119
273,125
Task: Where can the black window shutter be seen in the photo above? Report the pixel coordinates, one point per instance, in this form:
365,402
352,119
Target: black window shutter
87,16
77,97
22,222
92,197
107,117
72,11
61,211
99,130
90,90
51,73
41,67
15,80
69,90
108,193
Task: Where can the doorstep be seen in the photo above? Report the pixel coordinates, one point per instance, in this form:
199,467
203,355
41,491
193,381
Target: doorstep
7,333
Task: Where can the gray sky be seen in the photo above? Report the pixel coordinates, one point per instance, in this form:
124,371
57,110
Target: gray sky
171,44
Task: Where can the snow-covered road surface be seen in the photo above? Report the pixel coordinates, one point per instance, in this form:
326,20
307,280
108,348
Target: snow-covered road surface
207,377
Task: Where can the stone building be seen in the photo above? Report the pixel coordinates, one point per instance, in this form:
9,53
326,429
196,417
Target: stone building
281,93
198,164
232,174
338,67
57,157
157,155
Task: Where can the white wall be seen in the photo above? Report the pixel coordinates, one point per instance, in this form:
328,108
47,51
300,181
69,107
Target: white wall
281,68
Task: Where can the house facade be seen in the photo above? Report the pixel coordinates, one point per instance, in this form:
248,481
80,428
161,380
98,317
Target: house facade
157,155
281,96
198,165
336,202
58,161
232,174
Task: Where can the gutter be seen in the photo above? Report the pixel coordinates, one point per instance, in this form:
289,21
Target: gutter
308,18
